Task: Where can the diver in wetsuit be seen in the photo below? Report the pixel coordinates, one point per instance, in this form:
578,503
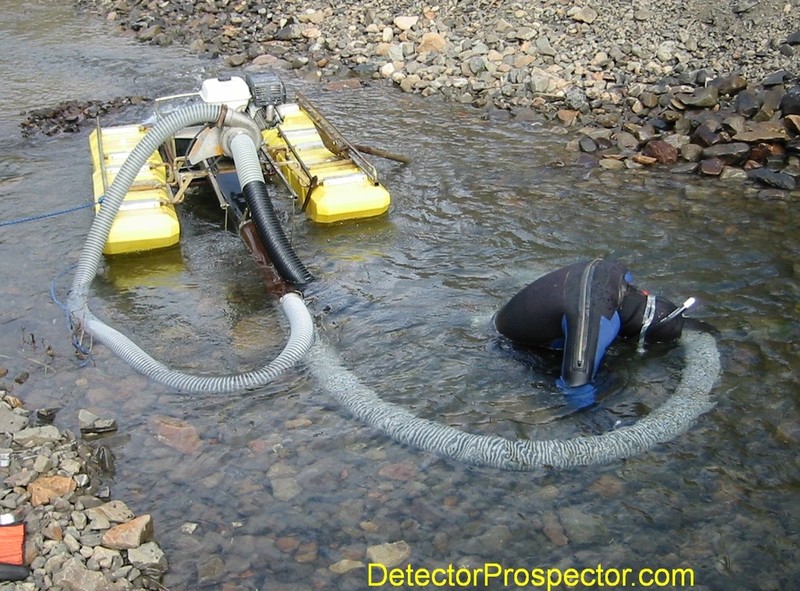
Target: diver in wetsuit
581,309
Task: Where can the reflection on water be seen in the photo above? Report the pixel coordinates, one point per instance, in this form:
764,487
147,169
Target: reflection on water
285,485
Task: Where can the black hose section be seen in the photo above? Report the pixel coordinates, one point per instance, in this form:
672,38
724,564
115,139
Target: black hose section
283,257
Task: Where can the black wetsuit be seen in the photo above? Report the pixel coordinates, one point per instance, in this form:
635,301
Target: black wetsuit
582,308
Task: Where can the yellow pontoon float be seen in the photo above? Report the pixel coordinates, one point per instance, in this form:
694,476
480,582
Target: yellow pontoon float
147,218
329,178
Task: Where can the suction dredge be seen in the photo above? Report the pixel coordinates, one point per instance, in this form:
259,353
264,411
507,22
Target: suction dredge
229,134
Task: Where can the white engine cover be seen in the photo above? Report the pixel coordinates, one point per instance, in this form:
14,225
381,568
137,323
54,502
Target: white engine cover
232,92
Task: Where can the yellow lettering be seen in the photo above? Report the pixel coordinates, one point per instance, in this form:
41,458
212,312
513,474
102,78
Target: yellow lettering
571,577
491,570
625,573
683,572
370,581
459,581
524,581
421,577
642,581
612,577
587,580
396,577
551,581
439,582
548,579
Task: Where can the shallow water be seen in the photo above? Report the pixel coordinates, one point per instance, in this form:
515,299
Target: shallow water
283,484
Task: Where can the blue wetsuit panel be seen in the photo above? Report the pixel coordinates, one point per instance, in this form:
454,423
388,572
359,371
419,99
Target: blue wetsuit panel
609,329
582,396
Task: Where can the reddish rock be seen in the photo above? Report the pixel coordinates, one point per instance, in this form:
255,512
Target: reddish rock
567,116
177,434
708,134
450,501
762,152
287,543
553,529
662,151
53,531
432,42
129,535
399,471
712,166
608,486
45,489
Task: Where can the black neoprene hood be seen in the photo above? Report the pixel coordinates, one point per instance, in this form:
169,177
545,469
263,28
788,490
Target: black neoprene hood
632,312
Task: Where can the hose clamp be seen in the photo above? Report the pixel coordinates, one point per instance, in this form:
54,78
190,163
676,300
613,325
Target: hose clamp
223,113
647,319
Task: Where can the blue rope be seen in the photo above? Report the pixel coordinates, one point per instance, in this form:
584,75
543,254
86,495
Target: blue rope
76,341
43,216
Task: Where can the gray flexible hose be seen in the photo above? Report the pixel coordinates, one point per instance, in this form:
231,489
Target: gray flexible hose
301,325
241,149
690,399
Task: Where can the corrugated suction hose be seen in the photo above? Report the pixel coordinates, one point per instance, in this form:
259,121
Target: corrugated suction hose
251,178
300,323
690,399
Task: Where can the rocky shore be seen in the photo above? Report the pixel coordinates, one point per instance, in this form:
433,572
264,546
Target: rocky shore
703,86
77,538
70,116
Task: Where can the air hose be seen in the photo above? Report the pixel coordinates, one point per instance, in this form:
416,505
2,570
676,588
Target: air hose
690,399
300,323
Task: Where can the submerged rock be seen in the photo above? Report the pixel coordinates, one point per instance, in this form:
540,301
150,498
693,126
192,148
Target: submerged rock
389,555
